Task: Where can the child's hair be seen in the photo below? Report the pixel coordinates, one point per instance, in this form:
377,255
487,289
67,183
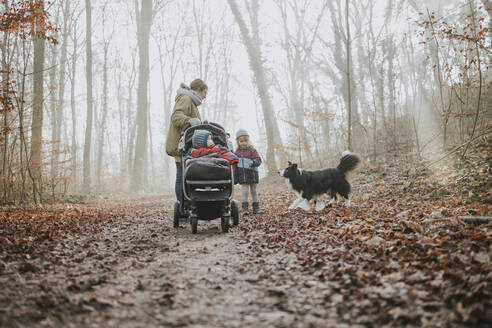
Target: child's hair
249,142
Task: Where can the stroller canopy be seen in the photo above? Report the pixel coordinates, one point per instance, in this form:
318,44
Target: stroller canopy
219,136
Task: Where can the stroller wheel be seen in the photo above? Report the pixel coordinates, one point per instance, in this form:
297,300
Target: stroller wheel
234,213
194,225
176,215
224,224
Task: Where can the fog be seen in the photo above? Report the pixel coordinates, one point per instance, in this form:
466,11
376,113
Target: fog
417,71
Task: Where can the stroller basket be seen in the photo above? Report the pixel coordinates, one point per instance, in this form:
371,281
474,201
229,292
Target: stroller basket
207,168
207,179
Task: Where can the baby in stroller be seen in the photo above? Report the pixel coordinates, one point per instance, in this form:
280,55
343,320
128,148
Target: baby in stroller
207,176
203,144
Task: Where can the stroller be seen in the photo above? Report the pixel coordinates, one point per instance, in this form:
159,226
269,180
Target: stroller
207,182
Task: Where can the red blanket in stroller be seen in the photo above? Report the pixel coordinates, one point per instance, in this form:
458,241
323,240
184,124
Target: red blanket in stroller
222,151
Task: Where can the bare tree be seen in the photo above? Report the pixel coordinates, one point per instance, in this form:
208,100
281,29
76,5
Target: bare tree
339,68
206,35
144,23
6,104
212,50
131,122
52,87
480,80
349,91
72,76
59,110
372,41
37,116
252,42
169,45
88,126
222,107
297,44
104,108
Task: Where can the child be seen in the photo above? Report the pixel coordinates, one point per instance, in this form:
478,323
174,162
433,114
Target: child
203,144
246,171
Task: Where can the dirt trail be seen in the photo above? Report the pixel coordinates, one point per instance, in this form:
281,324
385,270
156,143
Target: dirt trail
394,258
141,272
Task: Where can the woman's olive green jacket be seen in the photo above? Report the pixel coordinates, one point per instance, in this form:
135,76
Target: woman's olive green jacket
184,109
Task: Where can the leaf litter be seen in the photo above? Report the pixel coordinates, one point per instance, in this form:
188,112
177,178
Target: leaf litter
399,256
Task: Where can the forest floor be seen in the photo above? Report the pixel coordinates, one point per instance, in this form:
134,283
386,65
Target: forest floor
400,256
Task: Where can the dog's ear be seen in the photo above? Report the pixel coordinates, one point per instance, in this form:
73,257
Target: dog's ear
289,162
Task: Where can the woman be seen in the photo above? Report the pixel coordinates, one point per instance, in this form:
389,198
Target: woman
185,111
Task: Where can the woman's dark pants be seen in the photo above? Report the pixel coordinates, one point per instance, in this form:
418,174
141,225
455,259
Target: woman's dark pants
178,188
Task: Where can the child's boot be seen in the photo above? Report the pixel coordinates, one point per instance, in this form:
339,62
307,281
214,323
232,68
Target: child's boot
256,208
245,208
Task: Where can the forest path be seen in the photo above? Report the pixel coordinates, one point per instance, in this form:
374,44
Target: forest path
202,280
138,271
399,256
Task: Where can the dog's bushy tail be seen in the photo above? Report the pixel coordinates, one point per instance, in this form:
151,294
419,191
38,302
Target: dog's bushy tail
348,162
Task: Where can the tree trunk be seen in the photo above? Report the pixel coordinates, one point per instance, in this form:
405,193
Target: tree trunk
342,78
121,120
144,23
52,101
104,114
255,60
72,106
349,95
88,126
37,115
150,154
5,98
392,93
167,95
61,91
130,121
22,141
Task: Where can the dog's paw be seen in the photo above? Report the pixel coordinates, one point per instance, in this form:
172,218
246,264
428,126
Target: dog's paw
305,205
319,206
347,202
331,201
294,204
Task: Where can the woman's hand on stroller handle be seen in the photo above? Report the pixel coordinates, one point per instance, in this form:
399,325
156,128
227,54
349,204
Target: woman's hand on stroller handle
194,121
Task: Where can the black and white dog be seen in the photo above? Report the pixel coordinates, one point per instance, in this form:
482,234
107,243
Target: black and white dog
312,184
